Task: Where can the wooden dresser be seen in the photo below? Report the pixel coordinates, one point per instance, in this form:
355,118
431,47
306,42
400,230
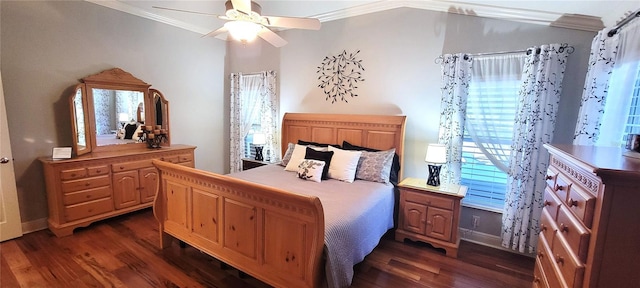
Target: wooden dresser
96,186
430,214
590,236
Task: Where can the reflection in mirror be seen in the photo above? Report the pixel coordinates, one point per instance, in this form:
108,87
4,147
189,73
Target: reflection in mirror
161,112
117,115
78,111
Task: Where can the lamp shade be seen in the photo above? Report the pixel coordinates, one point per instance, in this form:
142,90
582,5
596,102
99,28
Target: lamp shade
123,117
436,154
259,139
243,31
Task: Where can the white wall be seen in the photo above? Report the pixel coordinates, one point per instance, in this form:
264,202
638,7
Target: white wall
398,48
47,46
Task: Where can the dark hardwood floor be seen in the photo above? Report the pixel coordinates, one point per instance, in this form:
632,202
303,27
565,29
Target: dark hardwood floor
123,252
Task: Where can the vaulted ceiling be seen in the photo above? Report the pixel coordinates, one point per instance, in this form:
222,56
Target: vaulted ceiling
590,15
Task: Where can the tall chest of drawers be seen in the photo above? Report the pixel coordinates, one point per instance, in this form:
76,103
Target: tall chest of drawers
97,186
589,230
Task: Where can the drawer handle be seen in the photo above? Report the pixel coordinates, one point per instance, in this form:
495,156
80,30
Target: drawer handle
559,259
549,177
564,228
547,203
87,184
98,171
540,255
73,174
559,187
573,202
536,280
121,167
543,227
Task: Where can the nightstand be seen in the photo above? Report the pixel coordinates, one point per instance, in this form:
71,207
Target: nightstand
248,163
430,214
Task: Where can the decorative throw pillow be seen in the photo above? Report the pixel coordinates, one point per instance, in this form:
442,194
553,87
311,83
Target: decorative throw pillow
310,169
343,164
287,155
375,166
395,166
326,157
129,129
298,155
310,143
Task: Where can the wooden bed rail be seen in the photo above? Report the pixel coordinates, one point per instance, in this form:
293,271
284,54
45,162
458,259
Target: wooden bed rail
270,234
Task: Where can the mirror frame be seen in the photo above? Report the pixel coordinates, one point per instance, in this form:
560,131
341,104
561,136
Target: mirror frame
113,79
79,149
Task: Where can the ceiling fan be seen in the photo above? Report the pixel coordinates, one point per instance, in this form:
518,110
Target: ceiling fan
245,23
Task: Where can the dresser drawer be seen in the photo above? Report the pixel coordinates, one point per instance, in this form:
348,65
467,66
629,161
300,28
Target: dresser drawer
85,183
548,226
551,203
73,174
582,204
131,165
171,159
571,269
185,158
545,258
97,170
429,200
574,233
551,178
562,187
87,209
539,279
86,195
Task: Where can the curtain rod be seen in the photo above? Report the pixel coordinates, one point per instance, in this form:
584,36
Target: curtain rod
624,21
570,50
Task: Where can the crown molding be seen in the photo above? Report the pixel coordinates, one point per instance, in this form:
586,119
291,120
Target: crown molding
123,7
569,21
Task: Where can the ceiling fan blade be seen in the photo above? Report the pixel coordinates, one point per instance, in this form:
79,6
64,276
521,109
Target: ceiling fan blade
243,6
186,11
271,37
216,33
294,22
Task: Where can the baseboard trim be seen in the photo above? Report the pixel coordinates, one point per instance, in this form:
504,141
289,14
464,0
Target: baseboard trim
485,239
35,225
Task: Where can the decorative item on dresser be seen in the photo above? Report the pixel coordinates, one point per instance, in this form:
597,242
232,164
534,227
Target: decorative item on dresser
109,176
430,214
588,230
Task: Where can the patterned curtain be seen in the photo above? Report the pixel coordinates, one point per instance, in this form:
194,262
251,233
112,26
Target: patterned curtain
613,68
253,96
456,75
535,121
270,116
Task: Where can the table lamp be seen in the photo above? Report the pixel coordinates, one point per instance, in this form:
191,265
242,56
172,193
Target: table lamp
259,139
436,155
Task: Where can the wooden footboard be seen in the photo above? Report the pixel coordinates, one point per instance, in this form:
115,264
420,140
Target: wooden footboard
268,233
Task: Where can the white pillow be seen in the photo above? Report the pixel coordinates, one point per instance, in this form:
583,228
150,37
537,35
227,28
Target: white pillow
343,164
299,151
311,170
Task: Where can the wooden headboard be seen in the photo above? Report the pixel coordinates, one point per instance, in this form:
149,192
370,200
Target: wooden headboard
373,131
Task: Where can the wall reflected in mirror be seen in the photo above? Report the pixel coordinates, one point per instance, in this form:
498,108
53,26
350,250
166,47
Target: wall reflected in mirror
118,114
78,110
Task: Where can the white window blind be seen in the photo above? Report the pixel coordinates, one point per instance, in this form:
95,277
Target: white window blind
633,120
491,109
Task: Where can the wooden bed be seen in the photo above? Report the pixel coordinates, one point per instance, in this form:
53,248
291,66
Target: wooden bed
273,235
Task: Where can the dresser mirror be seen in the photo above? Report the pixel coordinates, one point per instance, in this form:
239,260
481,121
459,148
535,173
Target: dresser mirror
110,109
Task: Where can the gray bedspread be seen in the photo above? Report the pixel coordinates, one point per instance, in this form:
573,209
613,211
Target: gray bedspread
356,215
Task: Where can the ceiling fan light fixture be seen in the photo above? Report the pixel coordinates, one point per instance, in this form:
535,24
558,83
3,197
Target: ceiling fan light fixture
243,31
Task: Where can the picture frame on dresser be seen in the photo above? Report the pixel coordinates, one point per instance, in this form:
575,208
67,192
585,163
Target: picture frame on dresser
103,175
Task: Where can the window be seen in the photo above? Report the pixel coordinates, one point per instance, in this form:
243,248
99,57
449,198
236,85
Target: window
632,126
486,146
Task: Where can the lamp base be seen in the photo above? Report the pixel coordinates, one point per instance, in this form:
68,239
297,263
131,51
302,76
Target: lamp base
259,156
434,175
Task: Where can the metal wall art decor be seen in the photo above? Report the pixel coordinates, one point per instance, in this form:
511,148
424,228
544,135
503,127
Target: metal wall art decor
339,76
